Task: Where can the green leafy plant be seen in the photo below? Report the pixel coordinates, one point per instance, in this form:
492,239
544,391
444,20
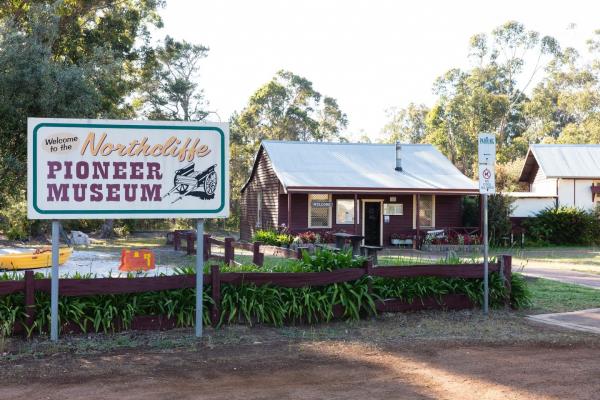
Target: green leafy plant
251,304
273,238
563,225
14,221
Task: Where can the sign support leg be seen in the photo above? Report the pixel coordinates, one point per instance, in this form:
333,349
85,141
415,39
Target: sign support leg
485,256
199,274
54,283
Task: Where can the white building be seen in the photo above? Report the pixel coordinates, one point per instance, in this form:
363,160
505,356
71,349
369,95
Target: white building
559,175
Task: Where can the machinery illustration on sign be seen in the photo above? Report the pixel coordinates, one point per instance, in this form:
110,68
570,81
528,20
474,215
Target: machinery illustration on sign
189,182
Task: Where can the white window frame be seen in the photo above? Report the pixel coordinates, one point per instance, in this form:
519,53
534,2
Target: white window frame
401,205
309,224
259,199
415,211
355,217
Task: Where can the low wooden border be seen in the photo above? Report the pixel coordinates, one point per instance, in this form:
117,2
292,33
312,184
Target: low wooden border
102,286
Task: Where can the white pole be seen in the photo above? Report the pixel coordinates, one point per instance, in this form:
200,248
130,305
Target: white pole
485,256
54,283
199,274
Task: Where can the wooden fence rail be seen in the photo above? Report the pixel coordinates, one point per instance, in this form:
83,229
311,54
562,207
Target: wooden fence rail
100,286
229,245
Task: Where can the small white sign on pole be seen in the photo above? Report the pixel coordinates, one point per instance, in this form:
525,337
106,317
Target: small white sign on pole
487,163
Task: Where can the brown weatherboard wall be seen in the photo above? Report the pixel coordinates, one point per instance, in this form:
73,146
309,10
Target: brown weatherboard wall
448,212
263,180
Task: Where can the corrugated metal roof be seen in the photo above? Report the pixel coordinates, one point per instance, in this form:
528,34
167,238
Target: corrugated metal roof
568,160
368,166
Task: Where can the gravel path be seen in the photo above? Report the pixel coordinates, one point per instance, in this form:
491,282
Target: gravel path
563,275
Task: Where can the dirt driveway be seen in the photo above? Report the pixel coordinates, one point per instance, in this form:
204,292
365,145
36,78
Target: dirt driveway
318,370
425,355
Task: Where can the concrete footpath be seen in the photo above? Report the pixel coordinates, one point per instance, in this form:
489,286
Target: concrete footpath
563,275
584,320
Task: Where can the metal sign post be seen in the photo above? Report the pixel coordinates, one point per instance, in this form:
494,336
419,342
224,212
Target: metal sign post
486,285
487,185
181,170
54,283
199,275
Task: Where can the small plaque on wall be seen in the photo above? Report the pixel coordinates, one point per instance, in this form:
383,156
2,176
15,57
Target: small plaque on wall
321,204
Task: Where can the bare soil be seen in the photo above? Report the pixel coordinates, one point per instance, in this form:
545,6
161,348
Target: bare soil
429,355
314,371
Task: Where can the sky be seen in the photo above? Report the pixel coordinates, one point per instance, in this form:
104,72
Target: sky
369,55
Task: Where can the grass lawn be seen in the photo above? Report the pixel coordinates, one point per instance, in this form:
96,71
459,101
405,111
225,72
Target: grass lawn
551,296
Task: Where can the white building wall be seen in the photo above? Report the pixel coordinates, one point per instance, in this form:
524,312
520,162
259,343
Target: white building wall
543,185
575,193
529,206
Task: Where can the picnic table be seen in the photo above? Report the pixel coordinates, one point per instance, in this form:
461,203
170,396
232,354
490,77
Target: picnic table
340,241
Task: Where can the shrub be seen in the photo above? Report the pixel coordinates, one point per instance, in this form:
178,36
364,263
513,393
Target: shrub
273,238
470,211
329,236
325,260
563,225
15,224
499,209
308,237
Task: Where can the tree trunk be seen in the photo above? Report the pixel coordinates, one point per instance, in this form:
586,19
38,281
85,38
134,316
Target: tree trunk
107,231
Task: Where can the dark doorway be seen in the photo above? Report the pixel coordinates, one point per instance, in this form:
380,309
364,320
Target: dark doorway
372,220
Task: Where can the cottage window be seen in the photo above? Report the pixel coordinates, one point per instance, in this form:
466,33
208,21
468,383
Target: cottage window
259,199
426,211
344,211
393,209
319,211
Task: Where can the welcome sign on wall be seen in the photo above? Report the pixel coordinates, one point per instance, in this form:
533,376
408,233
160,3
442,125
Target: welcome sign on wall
99,169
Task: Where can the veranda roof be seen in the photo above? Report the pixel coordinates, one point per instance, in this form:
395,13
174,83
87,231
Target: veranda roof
355,166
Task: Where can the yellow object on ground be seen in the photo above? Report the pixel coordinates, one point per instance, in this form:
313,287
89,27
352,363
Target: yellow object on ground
33,259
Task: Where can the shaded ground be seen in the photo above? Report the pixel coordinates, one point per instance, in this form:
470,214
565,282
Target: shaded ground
427,355
332,370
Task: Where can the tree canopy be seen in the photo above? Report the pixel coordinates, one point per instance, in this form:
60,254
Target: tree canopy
287,107
522,86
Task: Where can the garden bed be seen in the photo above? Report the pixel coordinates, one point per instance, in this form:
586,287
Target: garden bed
318,288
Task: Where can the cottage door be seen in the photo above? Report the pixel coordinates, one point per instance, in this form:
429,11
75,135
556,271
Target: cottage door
372,221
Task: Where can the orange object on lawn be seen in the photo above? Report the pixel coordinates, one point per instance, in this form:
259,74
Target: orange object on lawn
137,260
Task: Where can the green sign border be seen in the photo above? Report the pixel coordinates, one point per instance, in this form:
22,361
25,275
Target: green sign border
118,126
